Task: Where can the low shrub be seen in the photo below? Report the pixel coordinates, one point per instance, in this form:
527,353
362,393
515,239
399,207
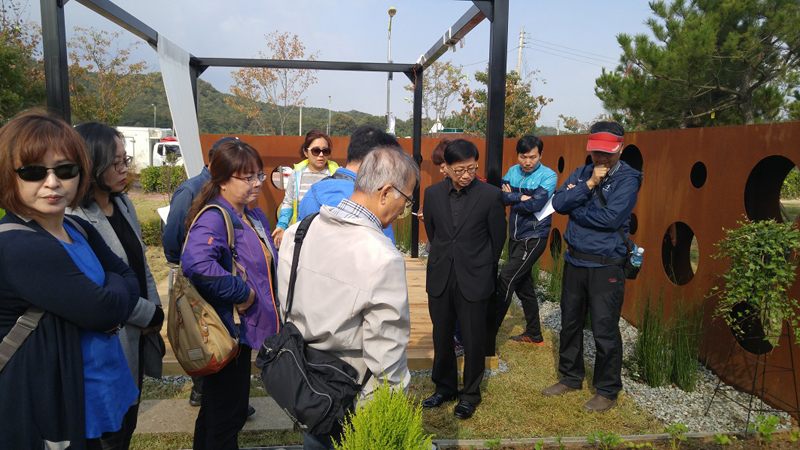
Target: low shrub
388,420
160,179
151,232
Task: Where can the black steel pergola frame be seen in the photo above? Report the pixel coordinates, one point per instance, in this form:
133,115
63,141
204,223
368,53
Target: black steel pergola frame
54,44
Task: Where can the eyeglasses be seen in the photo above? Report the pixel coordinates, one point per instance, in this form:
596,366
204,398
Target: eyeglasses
316,151
460,172
260,176
119,165
38,173
409,200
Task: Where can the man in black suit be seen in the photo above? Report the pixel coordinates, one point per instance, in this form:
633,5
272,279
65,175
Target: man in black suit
466,225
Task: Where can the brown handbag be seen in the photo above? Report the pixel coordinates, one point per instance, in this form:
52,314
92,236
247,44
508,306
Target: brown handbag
199,339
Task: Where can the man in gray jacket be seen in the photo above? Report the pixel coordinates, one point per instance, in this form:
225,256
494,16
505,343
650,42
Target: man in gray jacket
351,297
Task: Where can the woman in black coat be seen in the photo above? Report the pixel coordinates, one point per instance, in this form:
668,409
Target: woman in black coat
60,268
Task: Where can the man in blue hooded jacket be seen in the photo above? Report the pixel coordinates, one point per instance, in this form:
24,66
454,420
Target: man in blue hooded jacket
599,198
526,188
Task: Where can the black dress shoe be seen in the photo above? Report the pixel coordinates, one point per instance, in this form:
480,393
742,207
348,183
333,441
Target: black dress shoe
464,410
436,400
250,410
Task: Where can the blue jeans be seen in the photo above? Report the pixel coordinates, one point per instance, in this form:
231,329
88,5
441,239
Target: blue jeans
317,442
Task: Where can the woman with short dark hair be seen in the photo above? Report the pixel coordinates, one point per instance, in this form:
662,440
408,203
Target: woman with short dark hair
68,379
108,209
236,180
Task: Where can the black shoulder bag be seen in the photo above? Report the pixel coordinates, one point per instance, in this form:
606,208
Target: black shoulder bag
315,389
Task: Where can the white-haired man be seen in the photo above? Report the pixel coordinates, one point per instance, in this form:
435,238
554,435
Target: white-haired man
351,297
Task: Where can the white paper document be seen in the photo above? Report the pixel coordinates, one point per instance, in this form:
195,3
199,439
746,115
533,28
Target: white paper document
546,211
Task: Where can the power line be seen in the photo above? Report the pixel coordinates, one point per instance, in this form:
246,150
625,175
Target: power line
486,60
573,59
575,50
573,54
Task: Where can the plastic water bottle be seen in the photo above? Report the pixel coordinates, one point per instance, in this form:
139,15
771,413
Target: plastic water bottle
636,258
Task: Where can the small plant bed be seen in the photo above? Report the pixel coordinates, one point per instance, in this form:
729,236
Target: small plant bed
668,403
600,440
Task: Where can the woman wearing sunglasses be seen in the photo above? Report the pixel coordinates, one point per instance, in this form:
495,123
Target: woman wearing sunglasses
316,150
63,296
111,212
236,179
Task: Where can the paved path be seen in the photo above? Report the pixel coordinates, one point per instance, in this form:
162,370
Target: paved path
177,416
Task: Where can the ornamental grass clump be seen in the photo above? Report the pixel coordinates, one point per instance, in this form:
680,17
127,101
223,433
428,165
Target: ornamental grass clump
387,420
653,347
556,275
686,329
762,258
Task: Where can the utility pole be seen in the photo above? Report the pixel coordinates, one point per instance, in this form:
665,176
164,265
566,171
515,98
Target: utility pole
392,12
519,52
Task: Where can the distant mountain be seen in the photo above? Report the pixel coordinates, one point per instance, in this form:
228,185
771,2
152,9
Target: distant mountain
217,117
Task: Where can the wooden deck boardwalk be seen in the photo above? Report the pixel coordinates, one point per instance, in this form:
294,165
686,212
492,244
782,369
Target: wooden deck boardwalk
420,347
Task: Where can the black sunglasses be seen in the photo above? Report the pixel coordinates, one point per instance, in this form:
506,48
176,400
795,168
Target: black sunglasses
316,151
38,173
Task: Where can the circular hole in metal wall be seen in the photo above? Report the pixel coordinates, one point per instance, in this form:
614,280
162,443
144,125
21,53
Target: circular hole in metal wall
280,177
556,243
762,191
699,174
633,157
588,159
634,225
560,164
677,250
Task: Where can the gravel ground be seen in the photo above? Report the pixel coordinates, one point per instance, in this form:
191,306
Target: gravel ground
669,404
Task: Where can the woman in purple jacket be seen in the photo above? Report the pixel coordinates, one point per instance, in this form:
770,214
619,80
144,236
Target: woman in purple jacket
236,177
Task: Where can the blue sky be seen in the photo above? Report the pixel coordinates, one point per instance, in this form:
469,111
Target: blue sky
569,41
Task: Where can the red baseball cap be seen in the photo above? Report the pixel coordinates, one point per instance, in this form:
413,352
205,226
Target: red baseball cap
604,141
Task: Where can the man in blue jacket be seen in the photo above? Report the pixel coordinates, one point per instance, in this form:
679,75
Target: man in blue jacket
599,198
526,188
175,230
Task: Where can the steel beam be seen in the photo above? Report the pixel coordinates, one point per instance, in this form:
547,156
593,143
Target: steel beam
417,125
54,47
495,114
302,64
464,25
122,18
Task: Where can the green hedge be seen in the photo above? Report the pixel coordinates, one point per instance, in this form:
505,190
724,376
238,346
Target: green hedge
791,185
151,232
153,179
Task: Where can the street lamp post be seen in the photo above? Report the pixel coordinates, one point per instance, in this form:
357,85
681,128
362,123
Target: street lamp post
392,12
154,114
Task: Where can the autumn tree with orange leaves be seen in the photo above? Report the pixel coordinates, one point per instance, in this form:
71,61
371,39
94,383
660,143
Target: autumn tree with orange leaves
522,108
441,85
258,90
101,80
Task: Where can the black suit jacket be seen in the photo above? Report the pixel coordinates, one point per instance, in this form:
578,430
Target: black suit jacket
474,247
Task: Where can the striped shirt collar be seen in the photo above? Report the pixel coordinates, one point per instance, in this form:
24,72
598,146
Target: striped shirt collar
348,209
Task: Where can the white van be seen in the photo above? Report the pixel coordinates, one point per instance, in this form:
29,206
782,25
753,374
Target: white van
165,151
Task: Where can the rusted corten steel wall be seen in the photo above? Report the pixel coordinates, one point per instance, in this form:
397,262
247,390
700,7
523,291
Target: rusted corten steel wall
696,182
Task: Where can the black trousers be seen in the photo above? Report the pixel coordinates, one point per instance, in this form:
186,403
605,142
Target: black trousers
516,277
472,316
223,407
600,290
